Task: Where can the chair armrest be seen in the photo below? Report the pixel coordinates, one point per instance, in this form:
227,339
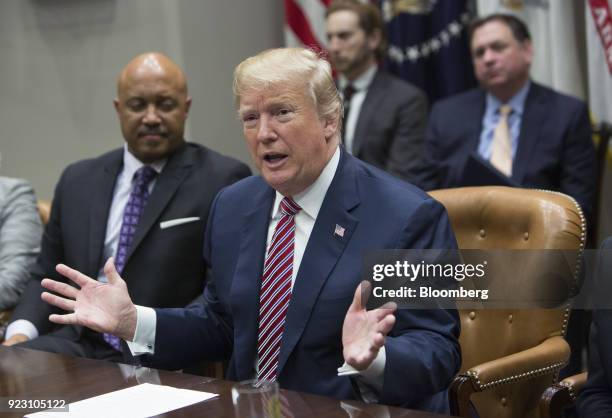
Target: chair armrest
575,383
561,395
547,357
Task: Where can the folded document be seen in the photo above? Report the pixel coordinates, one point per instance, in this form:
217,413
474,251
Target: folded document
144,400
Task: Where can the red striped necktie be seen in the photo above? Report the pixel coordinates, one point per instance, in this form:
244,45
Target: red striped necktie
275,292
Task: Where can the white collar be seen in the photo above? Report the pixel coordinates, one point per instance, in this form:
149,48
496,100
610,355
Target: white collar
311,199
131,164
360,83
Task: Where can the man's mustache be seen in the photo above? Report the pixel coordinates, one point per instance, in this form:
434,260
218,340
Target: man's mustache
147,132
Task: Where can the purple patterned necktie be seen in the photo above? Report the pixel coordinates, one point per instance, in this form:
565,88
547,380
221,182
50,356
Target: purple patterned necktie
131,216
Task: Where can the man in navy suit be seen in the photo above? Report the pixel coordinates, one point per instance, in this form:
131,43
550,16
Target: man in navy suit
309,219
531,135
549,133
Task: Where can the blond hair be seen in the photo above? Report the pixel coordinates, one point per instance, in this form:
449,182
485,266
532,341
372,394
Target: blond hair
295,66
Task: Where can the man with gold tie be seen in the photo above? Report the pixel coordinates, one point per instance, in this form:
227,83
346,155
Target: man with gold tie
528,134
534,136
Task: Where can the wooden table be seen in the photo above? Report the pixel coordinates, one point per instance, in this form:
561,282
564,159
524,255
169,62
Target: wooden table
38,375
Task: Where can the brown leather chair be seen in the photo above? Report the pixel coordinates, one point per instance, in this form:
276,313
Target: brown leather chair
510,356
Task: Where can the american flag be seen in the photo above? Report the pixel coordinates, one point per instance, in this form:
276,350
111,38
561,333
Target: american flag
305,23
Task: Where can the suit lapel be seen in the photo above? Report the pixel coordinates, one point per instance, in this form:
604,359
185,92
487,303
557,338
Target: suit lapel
100,208
370,104
534,115
167,183
247,281
323,251
473,114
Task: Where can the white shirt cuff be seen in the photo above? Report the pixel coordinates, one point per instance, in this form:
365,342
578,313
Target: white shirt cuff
144,337
21,326
374,372
370,381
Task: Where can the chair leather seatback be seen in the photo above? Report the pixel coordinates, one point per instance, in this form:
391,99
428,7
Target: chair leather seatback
502,218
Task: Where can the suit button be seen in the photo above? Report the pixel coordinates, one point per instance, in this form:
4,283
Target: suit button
472,315
482,233
504,401
526,236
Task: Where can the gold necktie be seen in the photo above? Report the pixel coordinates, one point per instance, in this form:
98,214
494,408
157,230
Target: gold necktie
501,148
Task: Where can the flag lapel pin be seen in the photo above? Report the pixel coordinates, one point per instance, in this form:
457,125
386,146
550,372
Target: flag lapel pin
339,231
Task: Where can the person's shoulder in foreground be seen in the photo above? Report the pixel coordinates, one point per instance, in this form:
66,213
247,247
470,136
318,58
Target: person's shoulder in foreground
20,233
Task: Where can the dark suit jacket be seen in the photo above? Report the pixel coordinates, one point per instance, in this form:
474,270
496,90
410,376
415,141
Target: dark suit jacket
390,130
164,266
555,150
595,400
378,212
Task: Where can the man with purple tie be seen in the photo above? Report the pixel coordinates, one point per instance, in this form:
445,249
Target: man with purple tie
146,204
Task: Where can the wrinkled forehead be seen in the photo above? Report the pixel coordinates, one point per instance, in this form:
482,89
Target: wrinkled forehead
286,92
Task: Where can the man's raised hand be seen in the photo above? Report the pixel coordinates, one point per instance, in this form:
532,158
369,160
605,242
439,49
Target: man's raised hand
103,307
364,332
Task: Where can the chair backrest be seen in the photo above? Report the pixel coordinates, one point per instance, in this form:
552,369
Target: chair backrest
44,210
502,218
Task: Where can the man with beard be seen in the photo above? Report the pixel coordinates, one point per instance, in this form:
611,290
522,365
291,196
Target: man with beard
384,117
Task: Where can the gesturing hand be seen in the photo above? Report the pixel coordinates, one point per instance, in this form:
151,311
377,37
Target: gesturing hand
363,332
103,307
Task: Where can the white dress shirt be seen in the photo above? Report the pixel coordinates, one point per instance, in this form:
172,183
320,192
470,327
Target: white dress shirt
121,194
491,117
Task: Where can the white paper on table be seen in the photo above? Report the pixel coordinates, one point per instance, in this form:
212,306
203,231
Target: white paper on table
143,400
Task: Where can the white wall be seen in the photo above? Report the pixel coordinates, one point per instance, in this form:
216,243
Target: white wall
59,60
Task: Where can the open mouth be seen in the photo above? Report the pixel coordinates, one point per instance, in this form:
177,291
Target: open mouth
274,159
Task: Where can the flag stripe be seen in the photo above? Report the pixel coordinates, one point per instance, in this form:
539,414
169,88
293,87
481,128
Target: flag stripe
600,10
300,25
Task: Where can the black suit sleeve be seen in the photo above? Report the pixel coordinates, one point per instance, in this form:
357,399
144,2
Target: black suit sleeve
595,400
423,345
578,165
439,171
405,150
